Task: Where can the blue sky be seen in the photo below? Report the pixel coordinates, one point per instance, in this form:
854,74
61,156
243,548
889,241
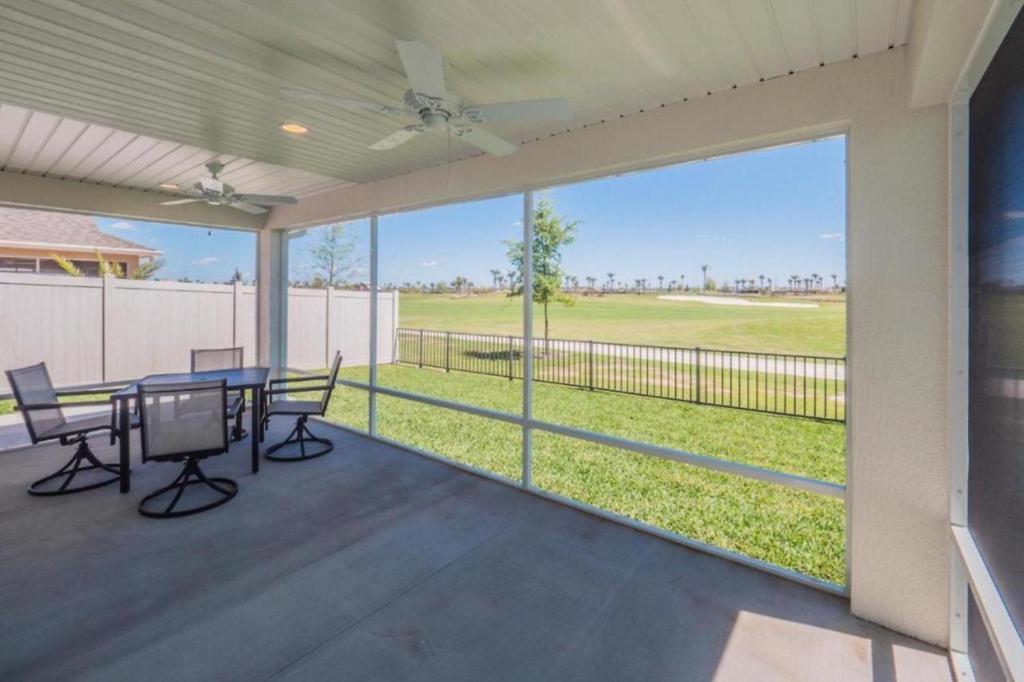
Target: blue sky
193,252
776,212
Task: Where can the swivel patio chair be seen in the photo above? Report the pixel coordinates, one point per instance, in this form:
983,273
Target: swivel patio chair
185,422
44,418
206,359
303,410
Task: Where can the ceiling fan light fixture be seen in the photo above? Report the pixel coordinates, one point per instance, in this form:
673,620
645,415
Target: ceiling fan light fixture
168,185
293,128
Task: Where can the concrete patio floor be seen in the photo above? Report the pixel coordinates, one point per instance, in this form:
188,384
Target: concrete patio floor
374,563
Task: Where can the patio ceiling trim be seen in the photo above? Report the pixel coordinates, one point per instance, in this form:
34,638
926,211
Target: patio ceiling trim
19,190
808,104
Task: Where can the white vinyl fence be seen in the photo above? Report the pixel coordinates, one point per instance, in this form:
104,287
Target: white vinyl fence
92,330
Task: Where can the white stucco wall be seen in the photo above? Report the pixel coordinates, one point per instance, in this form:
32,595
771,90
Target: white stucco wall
898,275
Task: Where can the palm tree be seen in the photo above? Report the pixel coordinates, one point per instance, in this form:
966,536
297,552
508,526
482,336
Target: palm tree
761,277
704,271
661,282
737,283
591,281
769,284
495,276
682,282
611,281
835,281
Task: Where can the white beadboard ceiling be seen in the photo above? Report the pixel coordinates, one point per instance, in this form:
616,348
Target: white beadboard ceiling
54,146
137,92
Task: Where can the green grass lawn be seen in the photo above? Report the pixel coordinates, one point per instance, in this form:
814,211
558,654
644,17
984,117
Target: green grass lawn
627,318
797,530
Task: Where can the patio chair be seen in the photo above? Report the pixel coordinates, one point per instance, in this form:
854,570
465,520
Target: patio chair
206,359
44,418
303,410
185,422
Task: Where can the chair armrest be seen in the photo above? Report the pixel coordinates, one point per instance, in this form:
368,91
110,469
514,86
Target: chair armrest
298,389
283,380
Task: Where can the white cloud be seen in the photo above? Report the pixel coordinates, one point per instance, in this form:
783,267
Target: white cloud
207,260
428,263
122,225
833,235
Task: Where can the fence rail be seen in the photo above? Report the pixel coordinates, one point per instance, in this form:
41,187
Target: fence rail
812,386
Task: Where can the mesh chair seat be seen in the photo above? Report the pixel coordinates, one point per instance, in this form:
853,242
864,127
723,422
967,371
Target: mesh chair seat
207,359
82,425
185,422
45,420
303,409
294,407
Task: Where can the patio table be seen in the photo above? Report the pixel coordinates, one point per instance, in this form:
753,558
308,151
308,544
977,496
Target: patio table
252,379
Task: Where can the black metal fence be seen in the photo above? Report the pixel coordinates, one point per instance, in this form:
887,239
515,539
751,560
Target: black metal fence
811,386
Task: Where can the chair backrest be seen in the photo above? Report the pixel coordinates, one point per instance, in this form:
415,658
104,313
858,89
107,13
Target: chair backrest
32,386
332,378
206,359
184,418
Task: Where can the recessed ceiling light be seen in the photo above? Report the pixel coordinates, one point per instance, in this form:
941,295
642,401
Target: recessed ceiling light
294,128
168,185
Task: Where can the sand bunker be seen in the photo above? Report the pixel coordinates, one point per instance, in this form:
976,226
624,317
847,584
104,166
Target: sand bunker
728,300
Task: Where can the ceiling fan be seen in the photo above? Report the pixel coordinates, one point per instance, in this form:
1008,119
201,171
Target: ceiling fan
216,193
437,110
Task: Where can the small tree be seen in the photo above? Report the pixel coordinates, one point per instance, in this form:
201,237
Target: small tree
105,267
332,255
550,234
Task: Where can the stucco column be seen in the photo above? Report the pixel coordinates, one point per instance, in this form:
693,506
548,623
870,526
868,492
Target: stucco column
272,300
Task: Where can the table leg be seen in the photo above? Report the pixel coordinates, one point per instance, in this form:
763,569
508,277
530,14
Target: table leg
254,430
124,433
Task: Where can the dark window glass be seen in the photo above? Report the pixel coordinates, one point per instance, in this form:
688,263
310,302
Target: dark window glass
17,264
996,483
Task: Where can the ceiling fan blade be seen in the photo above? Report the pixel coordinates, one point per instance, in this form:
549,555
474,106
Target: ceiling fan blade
423,67
178,202
489,142
400,136
346,103
247,207
265,199
554,109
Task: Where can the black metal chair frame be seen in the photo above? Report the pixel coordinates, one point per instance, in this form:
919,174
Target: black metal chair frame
191,474
84,459
301,433
238,432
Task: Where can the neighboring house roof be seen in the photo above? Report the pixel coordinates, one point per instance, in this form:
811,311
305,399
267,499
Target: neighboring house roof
26,228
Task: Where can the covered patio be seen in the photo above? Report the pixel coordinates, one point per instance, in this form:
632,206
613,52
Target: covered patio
380,561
